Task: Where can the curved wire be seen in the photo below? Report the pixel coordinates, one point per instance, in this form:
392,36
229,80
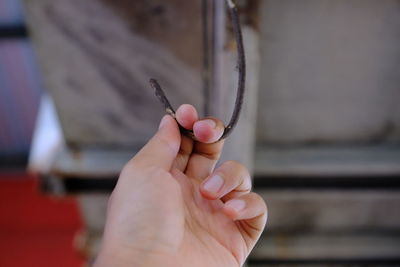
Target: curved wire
241,79
241,68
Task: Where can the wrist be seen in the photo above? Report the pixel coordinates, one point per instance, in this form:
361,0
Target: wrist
118,257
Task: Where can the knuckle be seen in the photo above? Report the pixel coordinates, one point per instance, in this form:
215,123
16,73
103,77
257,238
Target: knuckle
173,148
235,170
211,155
218,121
259,199
233,165
220,124
237,167
241,172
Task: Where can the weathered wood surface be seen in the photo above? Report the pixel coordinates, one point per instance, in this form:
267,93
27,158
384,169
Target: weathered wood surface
97,57
335,246
329,161
308,211
91,162
330,225
329,71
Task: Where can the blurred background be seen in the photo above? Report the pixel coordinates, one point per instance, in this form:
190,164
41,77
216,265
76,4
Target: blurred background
320,128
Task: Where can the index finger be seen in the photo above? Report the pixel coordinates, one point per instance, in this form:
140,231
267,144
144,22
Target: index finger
207,150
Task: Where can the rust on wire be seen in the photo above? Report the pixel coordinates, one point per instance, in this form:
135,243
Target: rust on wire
241,79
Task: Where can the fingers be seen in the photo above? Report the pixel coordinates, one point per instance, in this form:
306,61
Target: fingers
203,159
208,130
207,151
245,207
231,183
162,149
230,180
186,115
250,213
184,153
198,158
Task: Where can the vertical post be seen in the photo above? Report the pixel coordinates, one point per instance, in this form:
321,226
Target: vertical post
240,145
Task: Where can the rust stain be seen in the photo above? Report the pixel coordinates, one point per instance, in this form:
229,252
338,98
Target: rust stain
175,23
250,13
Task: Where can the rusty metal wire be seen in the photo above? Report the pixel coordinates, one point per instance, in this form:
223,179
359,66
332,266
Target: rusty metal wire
241,79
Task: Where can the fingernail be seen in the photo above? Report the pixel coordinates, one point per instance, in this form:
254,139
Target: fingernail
236,204
163,122
213,184
210,122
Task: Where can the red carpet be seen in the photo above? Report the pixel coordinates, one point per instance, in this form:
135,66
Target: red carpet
36,230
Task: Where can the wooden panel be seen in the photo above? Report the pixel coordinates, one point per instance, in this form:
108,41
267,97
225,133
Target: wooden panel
331,161
333,225
308,211
329,71
329,246
97,57
91,163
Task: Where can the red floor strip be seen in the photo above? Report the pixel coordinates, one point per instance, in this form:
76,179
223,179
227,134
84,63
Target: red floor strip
36,230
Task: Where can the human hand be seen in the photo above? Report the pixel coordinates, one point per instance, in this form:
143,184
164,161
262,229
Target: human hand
171,207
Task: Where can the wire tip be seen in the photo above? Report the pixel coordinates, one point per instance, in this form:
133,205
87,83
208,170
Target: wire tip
230,4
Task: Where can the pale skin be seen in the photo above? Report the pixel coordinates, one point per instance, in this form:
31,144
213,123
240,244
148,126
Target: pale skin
173,207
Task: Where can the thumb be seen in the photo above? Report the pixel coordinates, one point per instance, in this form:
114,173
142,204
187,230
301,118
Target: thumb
162,148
